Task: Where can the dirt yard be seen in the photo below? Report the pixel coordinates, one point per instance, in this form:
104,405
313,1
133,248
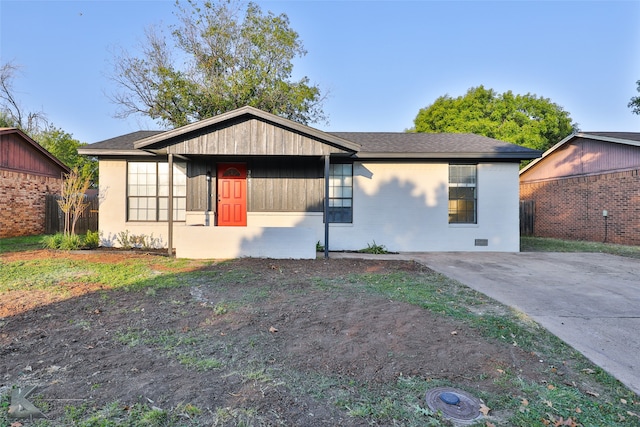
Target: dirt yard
249,333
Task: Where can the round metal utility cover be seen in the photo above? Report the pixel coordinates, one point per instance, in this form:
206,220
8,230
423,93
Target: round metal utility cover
457,405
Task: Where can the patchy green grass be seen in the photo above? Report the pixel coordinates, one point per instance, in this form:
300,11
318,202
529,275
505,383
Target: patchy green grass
117,414
20,244
599,401
537,404
442,295
48,273
544,244
189,349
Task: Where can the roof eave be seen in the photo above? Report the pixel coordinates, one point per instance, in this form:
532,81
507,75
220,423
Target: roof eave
116,153
549,151
609,139
439,155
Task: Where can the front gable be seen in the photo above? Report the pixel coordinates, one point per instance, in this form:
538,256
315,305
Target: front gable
20,153
247,132
585,154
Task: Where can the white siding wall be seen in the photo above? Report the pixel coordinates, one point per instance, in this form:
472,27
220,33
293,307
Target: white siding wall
405,208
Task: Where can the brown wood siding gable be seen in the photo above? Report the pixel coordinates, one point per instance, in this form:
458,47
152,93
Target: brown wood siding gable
584,157
18,155
250,137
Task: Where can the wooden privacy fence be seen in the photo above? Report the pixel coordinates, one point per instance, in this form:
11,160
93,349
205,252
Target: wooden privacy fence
527,217
54,217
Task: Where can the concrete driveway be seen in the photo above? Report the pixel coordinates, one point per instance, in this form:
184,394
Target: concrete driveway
590,301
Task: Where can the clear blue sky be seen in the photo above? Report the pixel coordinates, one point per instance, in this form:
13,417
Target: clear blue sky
380,61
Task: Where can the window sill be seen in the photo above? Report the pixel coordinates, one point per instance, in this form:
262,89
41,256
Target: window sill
464,226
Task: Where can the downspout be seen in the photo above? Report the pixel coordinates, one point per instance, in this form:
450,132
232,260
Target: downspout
326,207
170,205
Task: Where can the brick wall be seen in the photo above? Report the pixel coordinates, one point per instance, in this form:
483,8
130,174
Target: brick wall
571,208
22,202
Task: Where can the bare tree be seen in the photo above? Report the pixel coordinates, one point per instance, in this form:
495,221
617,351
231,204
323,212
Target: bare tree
31,122
73,201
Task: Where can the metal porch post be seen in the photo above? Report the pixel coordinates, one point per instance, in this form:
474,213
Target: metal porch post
170,205
326,207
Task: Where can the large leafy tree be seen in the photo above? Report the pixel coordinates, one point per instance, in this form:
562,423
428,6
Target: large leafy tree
526,120
62,145
226,56
634,104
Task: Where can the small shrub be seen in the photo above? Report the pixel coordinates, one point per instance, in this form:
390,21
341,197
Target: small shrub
127,240
52,241
319,247
124,240
149,242
136,241
71,242
92,239
374,249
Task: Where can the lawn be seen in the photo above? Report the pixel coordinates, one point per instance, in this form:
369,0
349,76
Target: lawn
131,339
544,244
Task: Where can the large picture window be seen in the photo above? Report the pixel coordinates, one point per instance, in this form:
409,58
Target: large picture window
340,193
462,194
148,191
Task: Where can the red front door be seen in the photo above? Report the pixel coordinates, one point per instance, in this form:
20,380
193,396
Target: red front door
232,194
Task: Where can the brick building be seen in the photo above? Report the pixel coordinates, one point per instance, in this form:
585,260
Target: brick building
587,187
27,173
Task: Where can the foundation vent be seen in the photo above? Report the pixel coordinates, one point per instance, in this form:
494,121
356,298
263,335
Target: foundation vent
482,242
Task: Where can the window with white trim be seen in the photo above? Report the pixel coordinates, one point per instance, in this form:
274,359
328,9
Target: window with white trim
148,191
340,193
462,194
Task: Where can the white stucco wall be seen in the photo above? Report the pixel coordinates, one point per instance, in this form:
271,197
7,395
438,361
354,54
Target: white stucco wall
405,208
235,242
113,207
270,234
401,206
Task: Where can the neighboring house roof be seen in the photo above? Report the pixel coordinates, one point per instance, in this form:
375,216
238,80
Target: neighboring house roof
45,164
627,141
620,137
362,144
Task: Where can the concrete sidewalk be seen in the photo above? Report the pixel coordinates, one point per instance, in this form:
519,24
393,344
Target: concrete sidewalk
591,301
